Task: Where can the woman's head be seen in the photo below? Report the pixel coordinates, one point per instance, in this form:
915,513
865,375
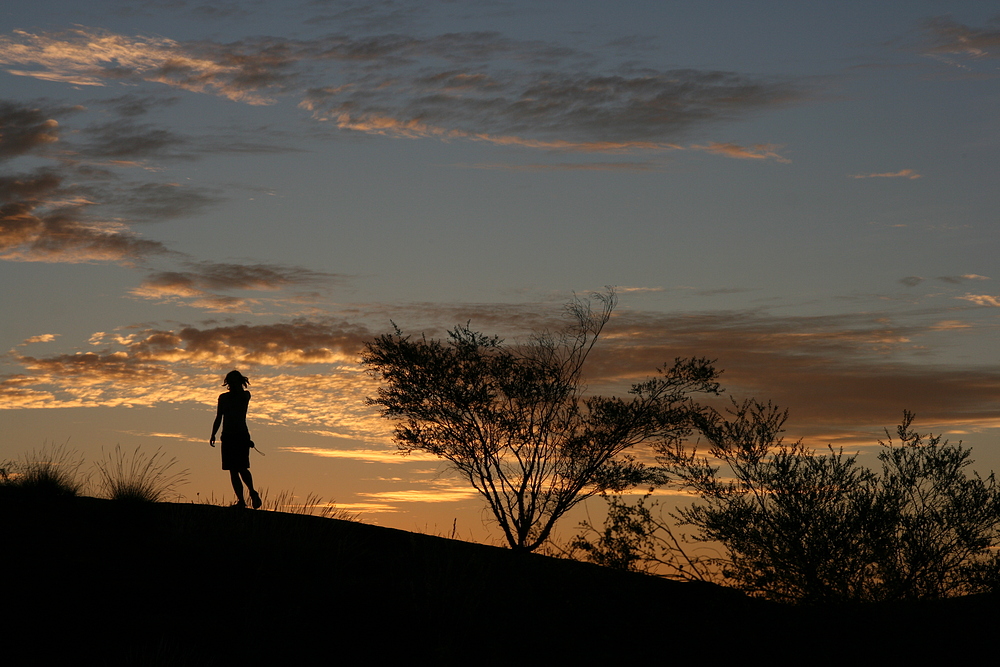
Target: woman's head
236,380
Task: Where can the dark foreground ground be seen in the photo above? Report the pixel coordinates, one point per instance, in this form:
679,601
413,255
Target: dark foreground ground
88,581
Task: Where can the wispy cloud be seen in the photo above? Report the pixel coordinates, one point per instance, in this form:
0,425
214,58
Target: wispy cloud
24,129
199,286
568,166
957,280
43,221
845,371
439,494
633,290
755,152
479,87
171,436
982,299
946,36
41,338
368,455
93,57
902,173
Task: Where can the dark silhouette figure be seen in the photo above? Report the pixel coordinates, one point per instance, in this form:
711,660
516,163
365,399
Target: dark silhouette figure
236,443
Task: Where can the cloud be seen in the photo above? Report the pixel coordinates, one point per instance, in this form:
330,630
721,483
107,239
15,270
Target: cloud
838,374
565,166
91,57
172,436
902,173
43,221
24,129
957,280
154,202
723,291
945,36
41,338
755,152
298,342
129,141
842,376
982,299
553,110
16,392
294,343
204,279
367,455
49,215
911,281
634,290
439,494
132,105
950,325
303,373
415,129
476,86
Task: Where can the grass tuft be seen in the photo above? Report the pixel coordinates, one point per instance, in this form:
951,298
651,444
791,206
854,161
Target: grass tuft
312,505
138,477
50,472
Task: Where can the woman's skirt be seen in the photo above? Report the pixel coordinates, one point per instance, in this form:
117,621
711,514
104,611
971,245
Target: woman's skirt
236,452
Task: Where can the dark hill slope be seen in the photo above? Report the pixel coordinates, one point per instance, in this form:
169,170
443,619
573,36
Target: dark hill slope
96,581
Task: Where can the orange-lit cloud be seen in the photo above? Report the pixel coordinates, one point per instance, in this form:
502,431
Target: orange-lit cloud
198,285
369,455
957,280
414,129
755,152
840,374
982,299
441,493
92,57
902,173
171,436
41,338
633,290
295,343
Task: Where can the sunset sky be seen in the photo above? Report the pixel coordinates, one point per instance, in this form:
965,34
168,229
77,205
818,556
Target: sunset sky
806,192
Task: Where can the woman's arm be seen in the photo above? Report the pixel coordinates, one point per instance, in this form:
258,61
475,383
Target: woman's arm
217,424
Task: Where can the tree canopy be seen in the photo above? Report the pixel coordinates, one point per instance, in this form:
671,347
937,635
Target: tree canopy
514,420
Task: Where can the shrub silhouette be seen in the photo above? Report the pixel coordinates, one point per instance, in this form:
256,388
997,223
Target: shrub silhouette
804,527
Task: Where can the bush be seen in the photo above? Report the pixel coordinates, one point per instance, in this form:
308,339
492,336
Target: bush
798,526
638,538
136,477
804,527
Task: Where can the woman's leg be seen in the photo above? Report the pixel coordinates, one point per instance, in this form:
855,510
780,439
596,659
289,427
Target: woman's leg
234,477
248,480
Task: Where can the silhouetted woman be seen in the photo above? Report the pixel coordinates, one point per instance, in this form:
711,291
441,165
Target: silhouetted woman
236,443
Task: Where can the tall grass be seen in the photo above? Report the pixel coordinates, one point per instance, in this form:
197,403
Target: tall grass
137,476
50,472
312,505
